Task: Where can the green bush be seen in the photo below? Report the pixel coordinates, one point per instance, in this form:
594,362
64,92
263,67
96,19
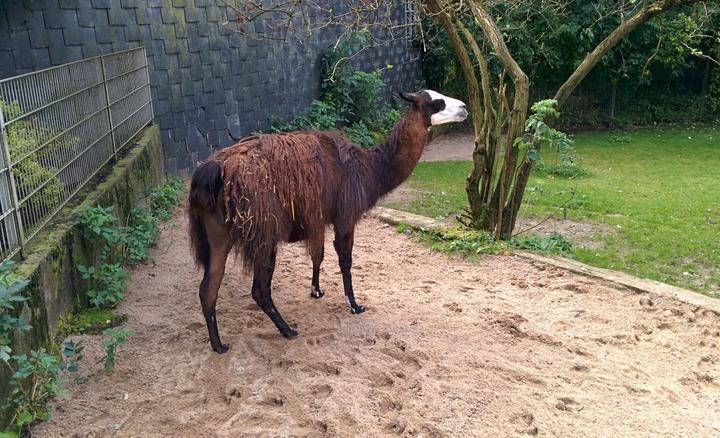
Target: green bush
10,299
33,376
138,236
360,134
29,173
162,200
643,107
389,119
32,384
321,116
549,140
556,243
130,243
713,95
350,100
99,224
107,283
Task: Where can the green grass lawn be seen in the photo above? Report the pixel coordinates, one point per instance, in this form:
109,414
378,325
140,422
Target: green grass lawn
657,190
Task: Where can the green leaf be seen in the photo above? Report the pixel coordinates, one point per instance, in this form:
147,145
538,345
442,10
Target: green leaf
5,353
24,418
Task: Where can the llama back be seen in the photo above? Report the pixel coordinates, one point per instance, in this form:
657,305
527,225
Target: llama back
273,183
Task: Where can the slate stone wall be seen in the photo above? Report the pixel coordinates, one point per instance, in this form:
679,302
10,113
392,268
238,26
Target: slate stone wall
210,85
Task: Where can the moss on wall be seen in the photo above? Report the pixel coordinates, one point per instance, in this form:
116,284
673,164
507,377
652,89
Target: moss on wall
50,261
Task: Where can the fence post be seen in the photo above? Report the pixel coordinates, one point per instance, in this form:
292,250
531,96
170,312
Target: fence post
147,77
13,190
107,102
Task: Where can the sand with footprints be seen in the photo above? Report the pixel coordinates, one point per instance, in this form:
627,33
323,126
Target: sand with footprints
500,347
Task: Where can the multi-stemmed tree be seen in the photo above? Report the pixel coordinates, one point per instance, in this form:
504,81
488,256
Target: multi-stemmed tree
503,158
507,138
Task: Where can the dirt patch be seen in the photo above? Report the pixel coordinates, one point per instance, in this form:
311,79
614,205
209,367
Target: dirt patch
403,194
701,273
582,234
453,146
448,348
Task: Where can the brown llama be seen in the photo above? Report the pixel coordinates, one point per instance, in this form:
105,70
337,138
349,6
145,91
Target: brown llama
268,189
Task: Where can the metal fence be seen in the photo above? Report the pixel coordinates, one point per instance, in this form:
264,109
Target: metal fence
58,127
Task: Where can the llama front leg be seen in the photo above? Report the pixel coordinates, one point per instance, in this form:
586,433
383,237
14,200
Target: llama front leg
343,247
317,253
261,286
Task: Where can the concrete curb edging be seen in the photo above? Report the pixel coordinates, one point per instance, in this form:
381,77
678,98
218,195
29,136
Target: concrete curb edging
640,285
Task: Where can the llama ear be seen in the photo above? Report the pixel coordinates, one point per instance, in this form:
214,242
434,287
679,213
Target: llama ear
410,97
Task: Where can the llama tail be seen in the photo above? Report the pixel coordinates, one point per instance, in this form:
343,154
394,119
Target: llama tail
204,190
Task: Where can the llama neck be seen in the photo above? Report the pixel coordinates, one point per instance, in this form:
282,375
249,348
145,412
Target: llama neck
393,161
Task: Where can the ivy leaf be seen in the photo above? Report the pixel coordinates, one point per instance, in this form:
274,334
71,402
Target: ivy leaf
5,353
24,418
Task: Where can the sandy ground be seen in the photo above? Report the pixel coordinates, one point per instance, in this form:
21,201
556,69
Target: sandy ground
448,348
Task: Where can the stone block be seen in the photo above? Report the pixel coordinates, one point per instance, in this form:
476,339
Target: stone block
69,4
102,4
76,36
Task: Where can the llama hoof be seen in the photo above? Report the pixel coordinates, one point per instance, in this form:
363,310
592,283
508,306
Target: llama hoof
317,293
290,334
357,309
222,349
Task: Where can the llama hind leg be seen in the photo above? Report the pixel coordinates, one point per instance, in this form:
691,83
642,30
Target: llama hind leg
343,246
317,253
214,272
261,293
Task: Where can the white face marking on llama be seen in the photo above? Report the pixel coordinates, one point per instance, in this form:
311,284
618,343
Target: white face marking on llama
454,111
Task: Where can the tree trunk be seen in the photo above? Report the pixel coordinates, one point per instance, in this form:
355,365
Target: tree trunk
494,204
574,80
517,118
705,87
436,7
613,95
485,151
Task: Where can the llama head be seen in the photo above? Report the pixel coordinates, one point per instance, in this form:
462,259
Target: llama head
438,109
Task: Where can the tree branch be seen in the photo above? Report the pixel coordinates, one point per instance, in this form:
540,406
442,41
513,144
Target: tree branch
645,14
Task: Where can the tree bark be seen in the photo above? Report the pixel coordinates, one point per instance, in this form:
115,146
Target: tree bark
574,80
613,95
496,210
484,154
705,87
478,172
517,116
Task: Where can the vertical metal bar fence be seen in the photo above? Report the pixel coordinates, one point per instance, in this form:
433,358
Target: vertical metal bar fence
58,128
